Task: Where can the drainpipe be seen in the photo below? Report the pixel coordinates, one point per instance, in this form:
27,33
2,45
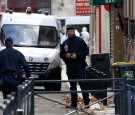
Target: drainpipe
92,30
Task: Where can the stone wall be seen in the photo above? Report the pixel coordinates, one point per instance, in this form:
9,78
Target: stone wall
67,8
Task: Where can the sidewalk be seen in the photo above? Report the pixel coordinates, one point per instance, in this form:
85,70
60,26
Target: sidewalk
47,107
105,110
57,107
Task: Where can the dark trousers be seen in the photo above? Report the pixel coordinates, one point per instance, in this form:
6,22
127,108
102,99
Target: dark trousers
10,84
77,72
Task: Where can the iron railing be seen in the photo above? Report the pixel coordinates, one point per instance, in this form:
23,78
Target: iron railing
124,96
25,103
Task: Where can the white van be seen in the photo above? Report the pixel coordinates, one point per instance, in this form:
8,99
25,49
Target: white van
77,21
37,37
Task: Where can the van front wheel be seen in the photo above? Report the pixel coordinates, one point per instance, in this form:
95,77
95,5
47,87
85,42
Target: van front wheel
54,76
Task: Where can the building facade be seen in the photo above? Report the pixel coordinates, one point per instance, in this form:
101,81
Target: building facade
54,7
3,5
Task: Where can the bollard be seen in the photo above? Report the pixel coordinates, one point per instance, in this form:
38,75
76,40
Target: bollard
117,100
123,97
133,100
128,106
32,112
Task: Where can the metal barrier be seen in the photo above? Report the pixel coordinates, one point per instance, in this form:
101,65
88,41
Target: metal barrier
120,90
129,102
26,97
9,105
25,105
124,96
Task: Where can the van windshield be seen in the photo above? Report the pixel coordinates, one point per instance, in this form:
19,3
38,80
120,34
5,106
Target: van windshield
29,35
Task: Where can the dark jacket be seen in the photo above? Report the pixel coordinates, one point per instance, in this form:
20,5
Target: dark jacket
11,60
74,45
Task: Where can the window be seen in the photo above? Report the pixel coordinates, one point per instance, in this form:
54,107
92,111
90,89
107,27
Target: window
130,28
30,35
23,3
133,29
9,3
42,3
20,5
126,27
47,36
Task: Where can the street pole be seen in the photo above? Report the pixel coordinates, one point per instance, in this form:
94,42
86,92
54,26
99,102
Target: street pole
92,30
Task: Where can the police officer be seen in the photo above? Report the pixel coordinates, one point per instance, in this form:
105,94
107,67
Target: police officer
73,52
10,62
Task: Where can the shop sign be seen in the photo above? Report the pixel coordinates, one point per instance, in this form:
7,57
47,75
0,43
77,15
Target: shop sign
83,7
103,2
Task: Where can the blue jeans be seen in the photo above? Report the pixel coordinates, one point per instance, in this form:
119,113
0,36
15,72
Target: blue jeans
77,71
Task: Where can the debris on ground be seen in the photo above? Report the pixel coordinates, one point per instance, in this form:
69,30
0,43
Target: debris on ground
95,108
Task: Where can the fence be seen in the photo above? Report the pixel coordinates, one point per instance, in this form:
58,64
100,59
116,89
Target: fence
124,96
120,90
25,105
124,99
9,106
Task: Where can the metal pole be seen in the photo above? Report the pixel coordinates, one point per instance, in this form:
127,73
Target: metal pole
124,96
117,100
32,96
19,96
128,106
133,100
92,30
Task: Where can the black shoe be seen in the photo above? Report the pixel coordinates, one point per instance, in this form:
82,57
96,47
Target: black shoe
87,106
72,106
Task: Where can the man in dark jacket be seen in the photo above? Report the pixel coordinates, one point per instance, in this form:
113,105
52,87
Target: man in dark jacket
10,62
73,52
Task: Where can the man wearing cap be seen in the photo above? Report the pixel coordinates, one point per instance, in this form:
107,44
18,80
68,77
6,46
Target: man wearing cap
73,52
10,62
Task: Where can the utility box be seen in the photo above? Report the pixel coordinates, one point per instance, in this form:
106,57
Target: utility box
125,69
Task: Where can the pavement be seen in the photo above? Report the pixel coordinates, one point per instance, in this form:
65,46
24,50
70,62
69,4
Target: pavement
54,104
